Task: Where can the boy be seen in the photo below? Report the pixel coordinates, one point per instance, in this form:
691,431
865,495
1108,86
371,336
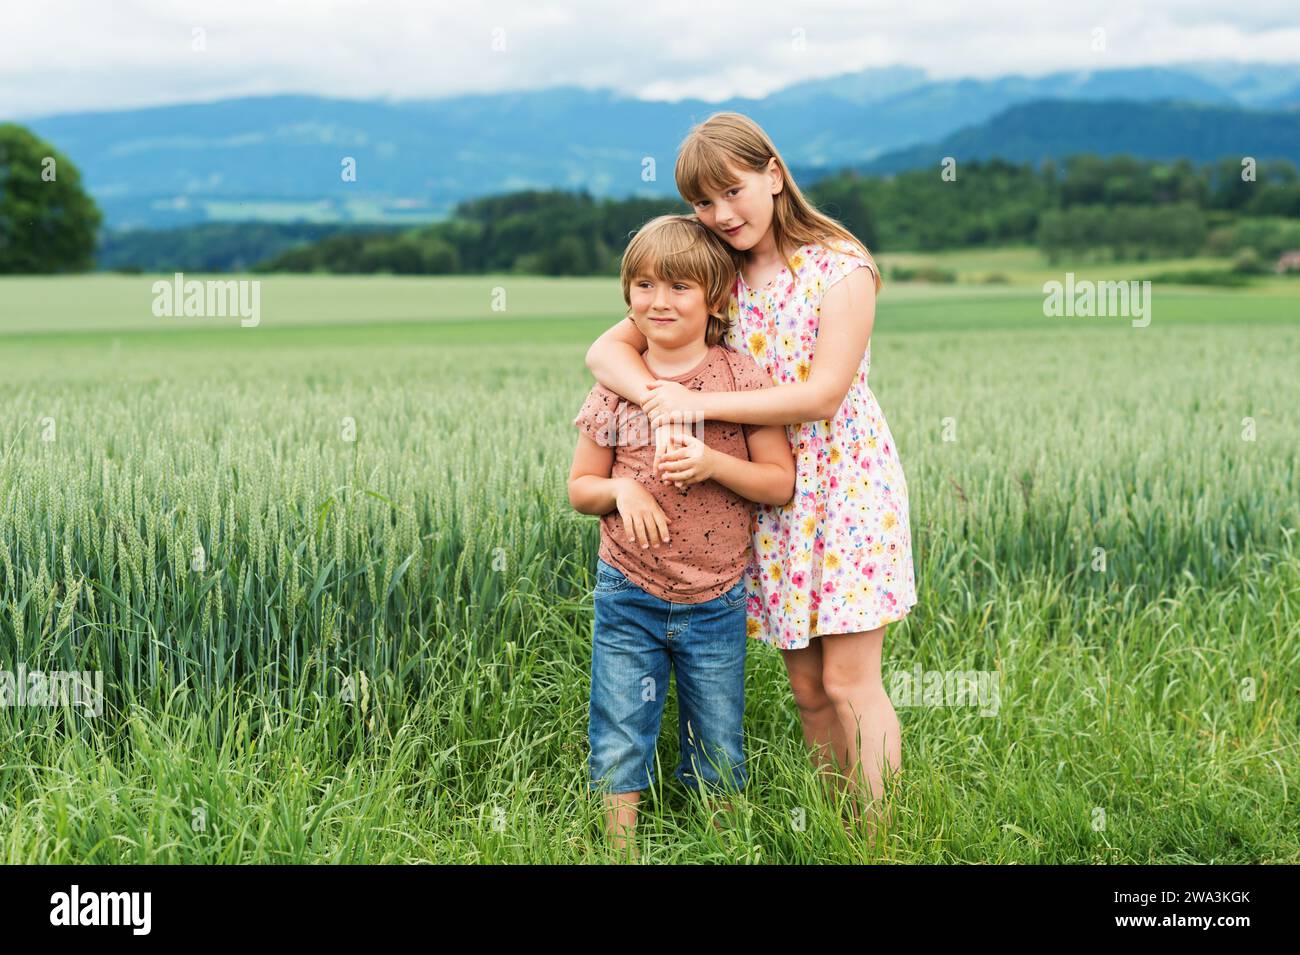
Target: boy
670,587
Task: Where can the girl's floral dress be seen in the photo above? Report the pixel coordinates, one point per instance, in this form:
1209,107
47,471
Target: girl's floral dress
838,557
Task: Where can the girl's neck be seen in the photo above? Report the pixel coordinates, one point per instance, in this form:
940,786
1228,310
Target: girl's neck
765,255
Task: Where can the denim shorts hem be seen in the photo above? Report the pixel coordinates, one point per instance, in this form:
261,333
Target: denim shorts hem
719,786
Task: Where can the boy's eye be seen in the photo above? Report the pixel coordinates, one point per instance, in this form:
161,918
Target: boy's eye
701,203
733,190
680,287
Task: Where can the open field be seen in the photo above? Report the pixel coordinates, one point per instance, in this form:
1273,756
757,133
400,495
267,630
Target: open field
379,653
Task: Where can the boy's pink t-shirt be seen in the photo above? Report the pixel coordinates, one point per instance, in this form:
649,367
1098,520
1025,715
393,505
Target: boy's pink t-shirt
709,525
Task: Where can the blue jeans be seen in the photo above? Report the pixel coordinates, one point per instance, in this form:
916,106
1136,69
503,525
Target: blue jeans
637,639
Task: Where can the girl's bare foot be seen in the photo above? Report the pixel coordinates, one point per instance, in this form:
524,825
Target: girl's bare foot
873,824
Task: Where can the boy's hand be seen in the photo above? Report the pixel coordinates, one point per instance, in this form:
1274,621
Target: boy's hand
687,460
670,401
663,443
643,518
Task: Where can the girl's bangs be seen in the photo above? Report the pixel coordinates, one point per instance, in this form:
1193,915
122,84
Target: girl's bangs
703,166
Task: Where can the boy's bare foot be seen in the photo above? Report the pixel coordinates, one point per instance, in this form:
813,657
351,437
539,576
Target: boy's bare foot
722,812
626,848
620,823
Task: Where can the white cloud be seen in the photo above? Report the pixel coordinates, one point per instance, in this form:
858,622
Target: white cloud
63,55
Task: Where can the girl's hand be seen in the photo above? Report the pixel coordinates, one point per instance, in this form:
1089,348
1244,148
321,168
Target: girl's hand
688,460
668,400
643,518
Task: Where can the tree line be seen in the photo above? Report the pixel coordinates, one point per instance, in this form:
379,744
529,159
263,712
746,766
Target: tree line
1086,205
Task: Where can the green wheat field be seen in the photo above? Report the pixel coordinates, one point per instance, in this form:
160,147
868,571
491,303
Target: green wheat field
342,609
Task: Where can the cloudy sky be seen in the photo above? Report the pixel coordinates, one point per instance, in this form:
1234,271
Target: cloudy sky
66,55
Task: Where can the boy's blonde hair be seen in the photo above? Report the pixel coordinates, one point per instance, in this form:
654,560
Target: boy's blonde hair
735,139
676,247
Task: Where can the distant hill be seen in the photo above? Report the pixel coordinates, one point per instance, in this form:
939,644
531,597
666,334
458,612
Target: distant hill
278,158
216,246
1055,128
1264,86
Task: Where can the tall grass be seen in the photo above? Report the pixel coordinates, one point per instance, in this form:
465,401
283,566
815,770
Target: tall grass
319,648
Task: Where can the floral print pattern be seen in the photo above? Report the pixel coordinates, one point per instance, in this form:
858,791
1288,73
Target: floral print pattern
838,557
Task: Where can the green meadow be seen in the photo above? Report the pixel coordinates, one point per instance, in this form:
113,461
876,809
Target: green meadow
341,608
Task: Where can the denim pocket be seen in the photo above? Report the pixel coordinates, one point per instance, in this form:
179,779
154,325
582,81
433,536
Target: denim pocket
609,580
735,597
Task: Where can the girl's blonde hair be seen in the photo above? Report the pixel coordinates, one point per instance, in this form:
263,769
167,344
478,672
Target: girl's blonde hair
676,247
734,139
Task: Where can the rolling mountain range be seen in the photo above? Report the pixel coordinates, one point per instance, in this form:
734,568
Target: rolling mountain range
1164,130
280,158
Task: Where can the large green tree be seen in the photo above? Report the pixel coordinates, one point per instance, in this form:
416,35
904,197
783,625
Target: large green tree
48,223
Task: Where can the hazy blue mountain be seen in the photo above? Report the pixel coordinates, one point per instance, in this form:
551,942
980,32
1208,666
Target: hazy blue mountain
1265,85
278,158
1032,132
1290,99
868,86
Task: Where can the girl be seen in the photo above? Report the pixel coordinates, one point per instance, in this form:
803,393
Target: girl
834,566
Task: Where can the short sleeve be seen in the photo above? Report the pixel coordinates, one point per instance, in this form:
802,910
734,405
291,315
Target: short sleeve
593,417
603,413
839,261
